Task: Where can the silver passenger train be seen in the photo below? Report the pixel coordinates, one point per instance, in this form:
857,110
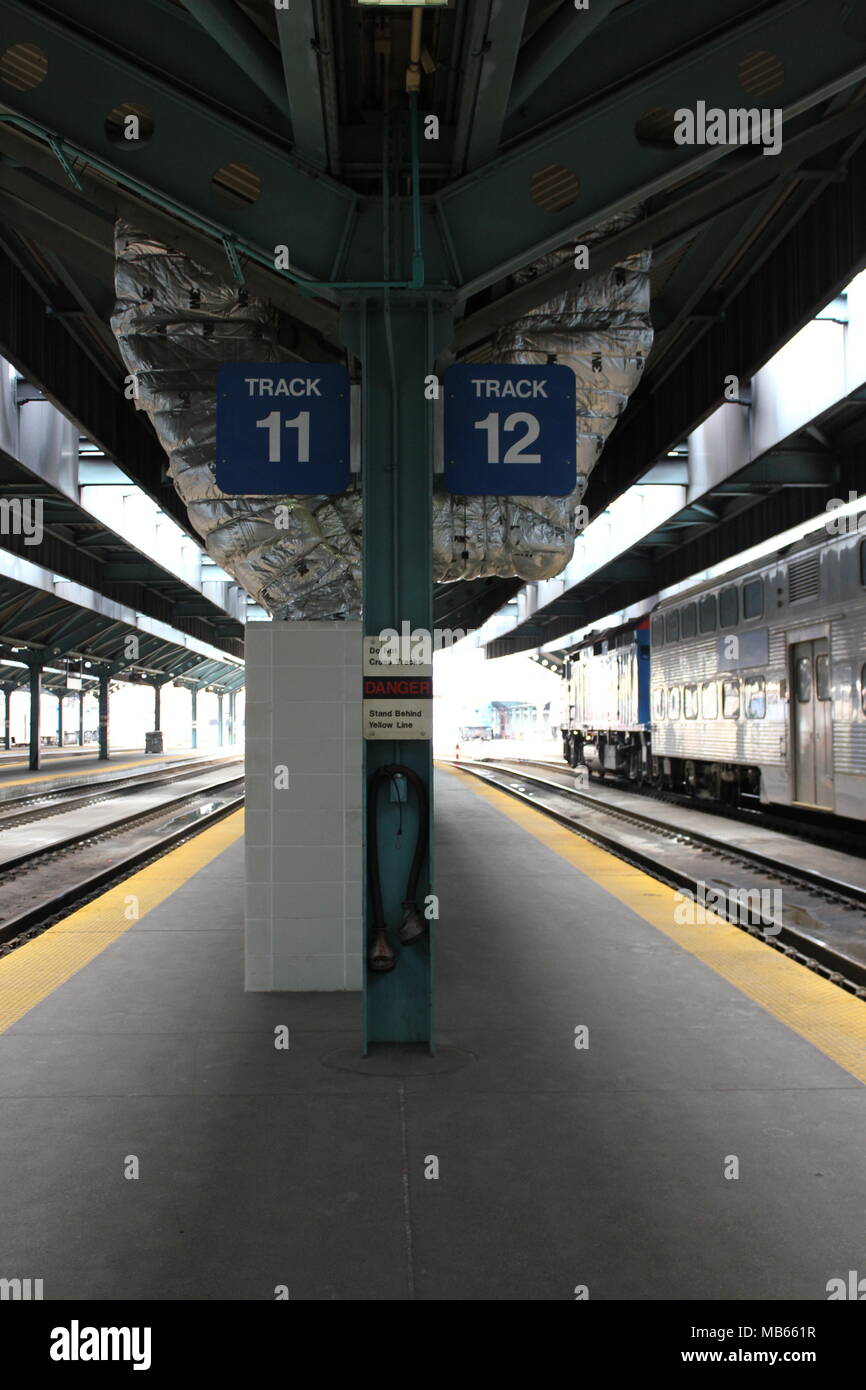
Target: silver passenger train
757,685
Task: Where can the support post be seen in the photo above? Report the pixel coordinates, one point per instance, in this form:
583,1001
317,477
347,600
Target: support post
193,716
220,719
103,718
397,345
7,717
60,720
35,702
232,701
81,718
157,707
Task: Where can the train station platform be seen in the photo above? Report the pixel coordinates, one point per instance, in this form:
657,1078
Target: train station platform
71,767
619,1103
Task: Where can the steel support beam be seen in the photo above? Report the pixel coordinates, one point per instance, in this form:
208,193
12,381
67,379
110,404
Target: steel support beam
493,44
35,684
220,719
397,348
553,44
241,40
296,27
7,716
191,141
103,717
729,189
611,169
81,719
60,719
193,716
792,287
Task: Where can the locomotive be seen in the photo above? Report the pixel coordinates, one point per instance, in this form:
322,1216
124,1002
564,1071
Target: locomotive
747,688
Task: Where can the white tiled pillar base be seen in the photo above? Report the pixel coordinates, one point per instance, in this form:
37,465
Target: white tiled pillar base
303,844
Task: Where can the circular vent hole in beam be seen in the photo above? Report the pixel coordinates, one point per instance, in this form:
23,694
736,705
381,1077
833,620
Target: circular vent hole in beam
129,125
554,187
236,185
655,128
760,73
23,66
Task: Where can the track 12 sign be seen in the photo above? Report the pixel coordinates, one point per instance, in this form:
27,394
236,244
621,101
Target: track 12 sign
283,428
510,430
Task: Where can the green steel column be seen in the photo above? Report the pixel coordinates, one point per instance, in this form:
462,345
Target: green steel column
397,346
103,717
194,716
59,721
220,719
35,703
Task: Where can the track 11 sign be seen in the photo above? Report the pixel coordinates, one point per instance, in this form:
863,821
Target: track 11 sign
510,430
283,428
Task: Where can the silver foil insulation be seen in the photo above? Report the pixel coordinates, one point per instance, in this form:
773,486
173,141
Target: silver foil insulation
176,323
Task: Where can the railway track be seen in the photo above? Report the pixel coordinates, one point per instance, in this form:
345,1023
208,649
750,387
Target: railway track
818,918
835,832
34,806
101,855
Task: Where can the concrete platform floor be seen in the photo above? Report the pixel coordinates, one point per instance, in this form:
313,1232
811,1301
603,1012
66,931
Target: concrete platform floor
558,1167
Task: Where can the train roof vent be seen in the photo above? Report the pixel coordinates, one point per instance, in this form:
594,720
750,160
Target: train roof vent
803,578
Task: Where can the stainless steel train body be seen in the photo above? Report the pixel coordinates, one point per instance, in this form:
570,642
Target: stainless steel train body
758,684
608,702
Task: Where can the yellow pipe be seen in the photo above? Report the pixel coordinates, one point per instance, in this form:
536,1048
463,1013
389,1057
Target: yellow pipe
413,72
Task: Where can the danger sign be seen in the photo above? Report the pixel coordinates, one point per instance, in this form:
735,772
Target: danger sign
398,699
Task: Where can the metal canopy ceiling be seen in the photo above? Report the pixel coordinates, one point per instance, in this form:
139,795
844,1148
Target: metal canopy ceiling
262,127
82,548
37,625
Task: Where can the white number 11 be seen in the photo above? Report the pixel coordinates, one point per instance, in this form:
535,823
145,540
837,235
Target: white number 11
301,423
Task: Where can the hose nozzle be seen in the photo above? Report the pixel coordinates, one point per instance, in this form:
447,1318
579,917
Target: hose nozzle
380,956
412,925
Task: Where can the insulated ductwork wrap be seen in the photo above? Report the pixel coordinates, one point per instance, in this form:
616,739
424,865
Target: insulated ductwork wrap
176,323
602,331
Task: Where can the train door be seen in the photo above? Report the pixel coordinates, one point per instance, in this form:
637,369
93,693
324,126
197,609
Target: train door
812,725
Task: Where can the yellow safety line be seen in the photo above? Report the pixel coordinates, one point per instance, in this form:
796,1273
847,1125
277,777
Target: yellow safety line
100,767
826,1016
30,973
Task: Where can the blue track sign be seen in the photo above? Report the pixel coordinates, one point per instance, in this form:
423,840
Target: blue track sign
283,428
510,430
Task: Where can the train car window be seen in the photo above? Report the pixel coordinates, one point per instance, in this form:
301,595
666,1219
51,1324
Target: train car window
708,613
863,686
731,699
659,702
822,677
729,607
690,701
710,700
658,632
674,702
803,680
753,599
689,624
672,626
755,693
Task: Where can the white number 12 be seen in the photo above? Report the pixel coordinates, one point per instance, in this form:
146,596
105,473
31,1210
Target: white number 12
515,454
301,423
